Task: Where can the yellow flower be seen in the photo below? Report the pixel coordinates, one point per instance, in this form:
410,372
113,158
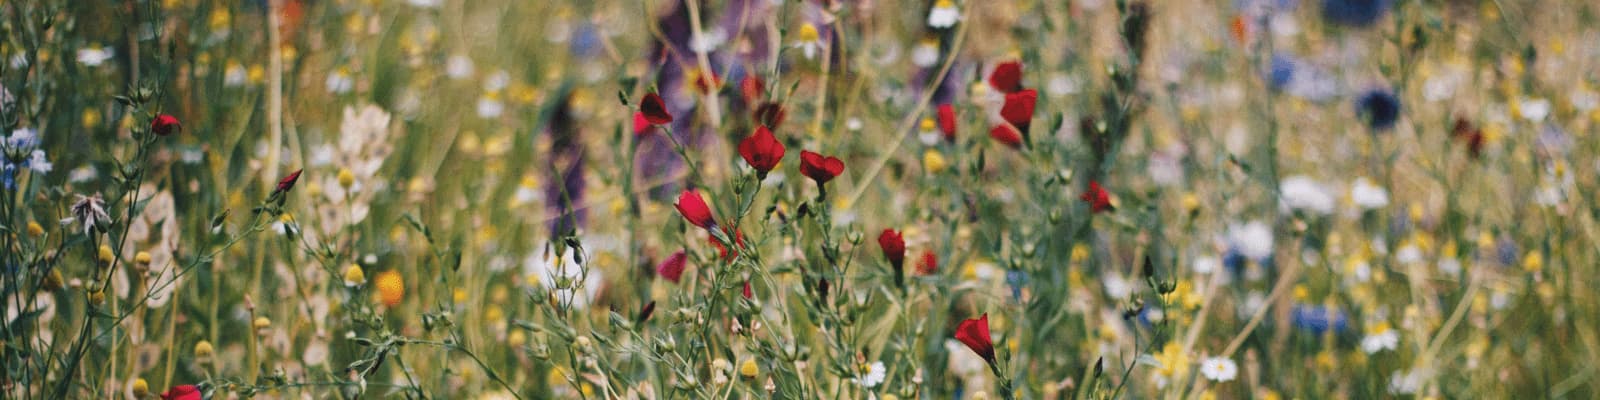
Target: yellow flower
927,125
1533,262
34,229
91,118
202,349
808,33
346,178
354,276
140,388
262,323
106,256
1080,253
749,369
1173,361
933,161
391,288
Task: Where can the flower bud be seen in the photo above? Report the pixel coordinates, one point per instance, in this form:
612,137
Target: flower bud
140,388
202,349
165,125
346,178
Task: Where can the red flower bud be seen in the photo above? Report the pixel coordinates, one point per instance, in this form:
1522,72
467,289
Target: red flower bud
748,294
694,209
672,268
1006,134
761,150
644,313
182,392
165,125
654,110
947,122
1097,197
769,114
288,181
975,334
751,87
1007,77
894,247
722,251
929,264
819,168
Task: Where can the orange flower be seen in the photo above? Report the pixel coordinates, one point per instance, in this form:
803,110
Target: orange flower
391,288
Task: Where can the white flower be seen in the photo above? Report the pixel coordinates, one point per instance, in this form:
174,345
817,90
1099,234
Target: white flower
490,107
1219,369
1061,85
809,40
581,284
1206,264
1408,254
496,81
235,75
94,56
1534,110
425,3
944,14
458,67
340,82
1380,339
705,42
38,163
1407,382
853,124
1117,287
873,375
82,174
1367,195
1303,193
926,54
1253,239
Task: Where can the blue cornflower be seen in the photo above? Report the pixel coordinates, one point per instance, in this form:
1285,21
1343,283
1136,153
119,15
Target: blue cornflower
1318,319
1380,108
1356,13
1281,72
1017,279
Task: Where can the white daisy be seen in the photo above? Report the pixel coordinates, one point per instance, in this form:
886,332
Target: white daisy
944,14
1219,369
809,40
926,54
872,375
340,82
1367,195
1303,193
1380,338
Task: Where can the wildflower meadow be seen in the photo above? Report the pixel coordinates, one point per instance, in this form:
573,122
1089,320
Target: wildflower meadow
799,199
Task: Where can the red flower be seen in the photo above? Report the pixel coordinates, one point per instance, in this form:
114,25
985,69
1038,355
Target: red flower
769,114
694,209
929,264
707,82
1472,135
641,125
947,121
164,125
761,150
1018,109
894,247
182,392
288,181
751,87
819,168
975,334
1007,134
672,268
748,294
1007,77
654,110
1097,198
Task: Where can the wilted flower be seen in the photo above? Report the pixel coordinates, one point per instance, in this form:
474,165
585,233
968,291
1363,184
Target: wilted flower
90,211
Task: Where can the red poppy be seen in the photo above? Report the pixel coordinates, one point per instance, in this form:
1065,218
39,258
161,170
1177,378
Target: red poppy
654,110
769,114
1097,197
947,121
182,392
819,168
1007,134
672,268
929,264
164,125
1018,109
975,334
894,247
288,181
1007,77
751,87
694,209
761,150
